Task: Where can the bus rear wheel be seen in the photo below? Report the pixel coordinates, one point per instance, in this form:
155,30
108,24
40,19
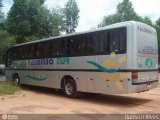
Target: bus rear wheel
70,89
16,80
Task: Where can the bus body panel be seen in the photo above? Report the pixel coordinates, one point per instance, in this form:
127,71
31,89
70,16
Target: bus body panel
145,57
147,47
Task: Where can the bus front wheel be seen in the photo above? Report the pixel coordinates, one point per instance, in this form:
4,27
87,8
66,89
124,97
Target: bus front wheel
70,89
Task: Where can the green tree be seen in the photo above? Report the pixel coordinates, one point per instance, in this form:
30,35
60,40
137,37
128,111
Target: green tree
6,41
1,4
57,21
1,13
71,12
42,1
158,32
148,21
158,23
17,20
125,11
29,20
110,19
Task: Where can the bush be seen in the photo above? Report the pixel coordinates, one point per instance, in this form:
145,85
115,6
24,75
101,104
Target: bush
6,87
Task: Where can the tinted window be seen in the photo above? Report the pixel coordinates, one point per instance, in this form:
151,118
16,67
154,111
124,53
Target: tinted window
32,52
114,40
25,49
84,41
74,46
70,46
43,50
9,58
62,47
94,43
22,52
54,48
117,40
59,47
122,40
77,45
104,43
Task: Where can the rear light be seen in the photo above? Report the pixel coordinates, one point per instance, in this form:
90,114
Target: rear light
134,75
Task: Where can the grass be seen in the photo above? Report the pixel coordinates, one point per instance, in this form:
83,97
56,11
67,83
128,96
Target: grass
7,88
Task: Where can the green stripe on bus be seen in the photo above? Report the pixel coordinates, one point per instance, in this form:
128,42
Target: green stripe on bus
36,78
100,67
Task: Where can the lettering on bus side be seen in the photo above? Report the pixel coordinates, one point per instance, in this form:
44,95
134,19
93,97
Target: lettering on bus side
49,61
63,61
143,29
46,61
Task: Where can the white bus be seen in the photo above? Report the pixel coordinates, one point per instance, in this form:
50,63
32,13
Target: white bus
119,58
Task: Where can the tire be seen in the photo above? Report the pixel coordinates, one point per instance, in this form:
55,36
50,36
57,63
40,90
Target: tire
70,89
16,80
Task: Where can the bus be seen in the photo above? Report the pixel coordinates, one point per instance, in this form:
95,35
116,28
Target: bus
120,58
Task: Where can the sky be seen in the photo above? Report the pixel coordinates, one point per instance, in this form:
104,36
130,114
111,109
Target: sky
93,11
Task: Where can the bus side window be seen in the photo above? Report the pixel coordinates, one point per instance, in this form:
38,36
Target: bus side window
39,50
70,46
28,52
84,39
122,40
45,49
77,46
54,48
94,43
104,44
9,58
74,46
21,51
33,51
15,54
61,47
26,48
114,38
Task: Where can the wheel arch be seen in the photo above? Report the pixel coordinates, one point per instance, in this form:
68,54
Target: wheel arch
15,75
65,78
69,80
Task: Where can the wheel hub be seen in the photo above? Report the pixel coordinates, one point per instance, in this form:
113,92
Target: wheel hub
69,88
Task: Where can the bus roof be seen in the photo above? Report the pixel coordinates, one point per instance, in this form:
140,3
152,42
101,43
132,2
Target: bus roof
120,24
